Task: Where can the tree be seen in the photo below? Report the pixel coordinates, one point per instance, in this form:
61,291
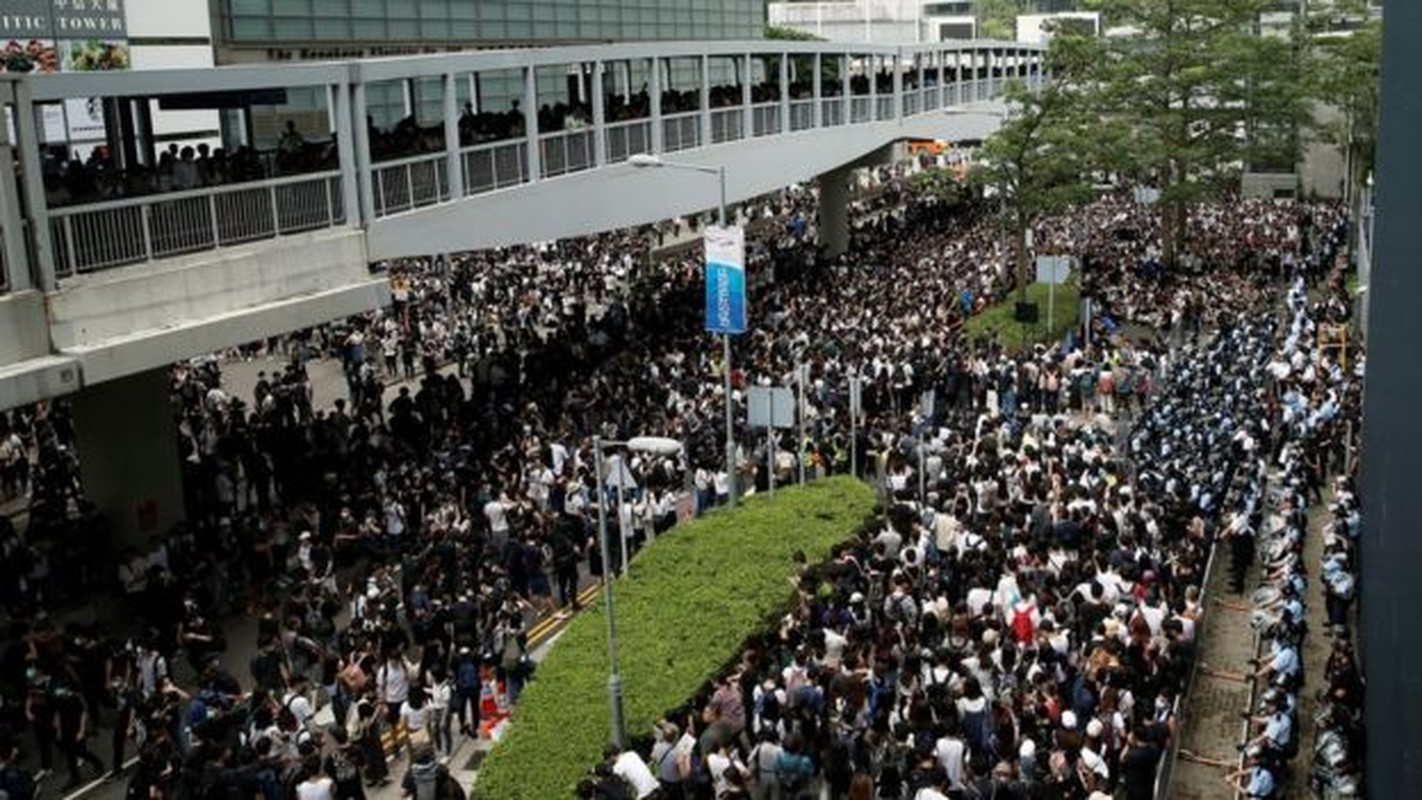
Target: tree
782,33
1040,159
997,19
1344,59
1203,94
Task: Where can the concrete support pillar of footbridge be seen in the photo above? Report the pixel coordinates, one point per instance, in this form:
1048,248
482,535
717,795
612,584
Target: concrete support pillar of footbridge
834,211
128,455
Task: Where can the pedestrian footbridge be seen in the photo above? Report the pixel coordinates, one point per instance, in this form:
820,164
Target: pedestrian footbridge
130,263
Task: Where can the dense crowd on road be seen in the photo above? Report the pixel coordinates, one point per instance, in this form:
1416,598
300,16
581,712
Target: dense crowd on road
1027,631
395,545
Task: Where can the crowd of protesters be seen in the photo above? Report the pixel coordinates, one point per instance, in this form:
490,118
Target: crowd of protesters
392,548
1025,627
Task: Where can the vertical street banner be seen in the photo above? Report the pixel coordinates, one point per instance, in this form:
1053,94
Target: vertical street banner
725,279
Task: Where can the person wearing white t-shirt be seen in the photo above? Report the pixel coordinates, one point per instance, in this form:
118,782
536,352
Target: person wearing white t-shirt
392,681
440,694
727,771
316,786
931,792
496,512
722,482
630,767
299,705
951,754
979,600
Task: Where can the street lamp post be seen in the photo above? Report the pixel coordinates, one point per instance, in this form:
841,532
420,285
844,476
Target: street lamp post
655,445
649,161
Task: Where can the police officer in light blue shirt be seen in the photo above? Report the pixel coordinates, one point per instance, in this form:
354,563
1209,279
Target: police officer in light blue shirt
1281,665
1256,782
1274,727
1261,783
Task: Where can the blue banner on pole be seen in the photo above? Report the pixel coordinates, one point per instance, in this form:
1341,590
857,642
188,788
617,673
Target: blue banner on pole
725,280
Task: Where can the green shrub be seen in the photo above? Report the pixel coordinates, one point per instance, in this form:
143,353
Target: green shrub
690,602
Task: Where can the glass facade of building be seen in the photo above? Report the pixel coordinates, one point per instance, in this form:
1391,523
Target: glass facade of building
472,23
247,31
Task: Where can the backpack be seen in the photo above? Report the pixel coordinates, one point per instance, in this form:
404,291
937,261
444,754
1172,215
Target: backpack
793,771
466,676
1022,625
699,778
978,731
17,784
343,769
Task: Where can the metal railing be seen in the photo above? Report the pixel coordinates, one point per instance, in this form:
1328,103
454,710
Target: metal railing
884,105
1166,766
726,124
802,115
681,131
567,152
410,183
494,165
100,236
628,138
765,119
860,109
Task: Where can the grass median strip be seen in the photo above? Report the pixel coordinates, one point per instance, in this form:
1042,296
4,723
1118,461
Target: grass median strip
1000,318
692,599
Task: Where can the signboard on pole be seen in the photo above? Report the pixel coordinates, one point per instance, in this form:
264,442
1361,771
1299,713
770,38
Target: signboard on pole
1053,269
616,473
926,404
770,407
856,397
725,279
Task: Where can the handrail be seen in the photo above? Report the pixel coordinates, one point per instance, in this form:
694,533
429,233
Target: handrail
103,236
403,161
563,134
492,144
191,194
170,222
625,123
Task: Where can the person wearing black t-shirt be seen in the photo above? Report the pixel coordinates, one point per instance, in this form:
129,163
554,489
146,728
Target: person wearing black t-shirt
73,726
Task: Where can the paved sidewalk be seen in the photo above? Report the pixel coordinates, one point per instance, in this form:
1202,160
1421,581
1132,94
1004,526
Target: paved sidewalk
1210,717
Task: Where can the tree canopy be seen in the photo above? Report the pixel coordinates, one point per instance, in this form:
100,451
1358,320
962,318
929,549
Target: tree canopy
1040,159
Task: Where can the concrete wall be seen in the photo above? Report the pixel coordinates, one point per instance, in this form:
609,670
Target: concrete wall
834,211
28,371
1265,185
1323,171
620,196
171,34
129,320
22,327
120,302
